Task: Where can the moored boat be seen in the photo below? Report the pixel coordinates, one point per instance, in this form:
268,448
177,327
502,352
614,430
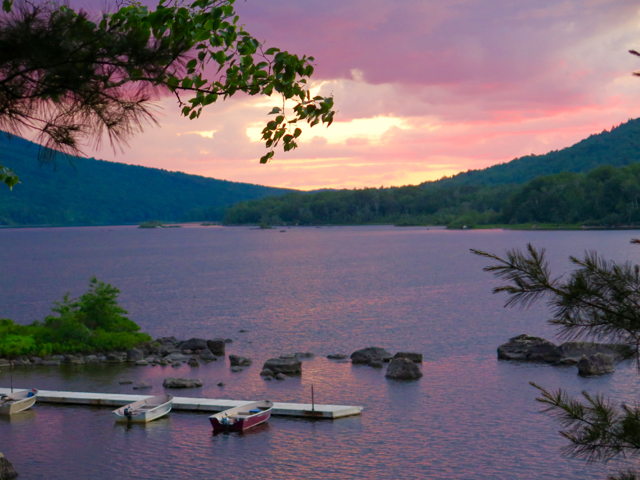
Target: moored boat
17,402
238,419
146,410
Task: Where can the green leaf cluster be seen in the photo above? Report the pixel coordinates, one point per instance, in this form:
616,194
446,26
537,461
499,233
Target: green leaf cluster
92,323
74,79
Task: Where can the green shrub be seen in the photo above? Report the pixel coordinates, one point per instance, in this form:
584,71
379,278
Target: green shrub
94,322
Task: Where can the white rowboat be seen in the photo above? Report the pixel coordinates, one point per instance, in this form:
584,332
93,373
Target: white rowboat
17,402
144,411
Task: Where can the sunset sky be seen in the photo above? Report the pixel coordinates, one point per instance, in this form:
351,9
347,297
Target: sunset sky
423,89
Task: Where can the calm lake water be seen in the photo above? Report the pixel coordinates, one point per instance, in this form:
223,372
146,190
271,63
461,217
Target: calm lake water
323,290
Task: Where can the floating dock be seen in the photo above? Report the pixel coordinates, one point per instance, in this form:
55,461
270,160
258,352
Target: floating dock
305,410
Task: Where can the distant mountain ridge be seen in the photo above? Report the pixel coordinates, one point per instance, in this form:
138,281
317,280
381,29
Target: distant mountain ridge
618,147
98,192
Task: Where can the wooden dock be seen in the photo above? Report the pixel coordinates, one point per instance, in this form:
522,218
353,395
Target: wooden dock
193,404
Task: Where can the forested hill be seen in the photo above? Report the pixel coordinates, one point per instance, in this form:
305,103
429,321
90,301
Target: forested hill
98,192
618,147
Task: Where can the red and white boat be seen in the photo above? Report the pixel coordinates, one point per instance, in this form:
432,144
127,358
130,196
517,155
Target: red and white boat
238,419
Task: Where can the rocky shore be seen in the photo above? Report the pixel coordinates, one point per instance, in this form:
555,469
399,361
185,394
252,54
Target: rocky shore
167,351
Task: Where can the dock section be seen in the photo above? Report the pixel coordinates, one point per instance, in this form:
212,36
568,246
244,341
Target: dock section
193,404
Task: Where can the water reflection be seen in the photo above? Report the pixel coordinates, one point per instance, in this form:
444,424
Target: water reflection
320,290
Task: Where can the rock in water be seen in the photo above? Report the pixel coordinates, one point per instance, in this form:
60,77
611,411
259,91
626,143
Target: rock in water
337,356
367,355
414,357
281,376
216,346
530,349
266,373
572,352
288,366
304,355
6,469
193,344
182,383
193,362
237,361
403,369
596,364
141,385
142,363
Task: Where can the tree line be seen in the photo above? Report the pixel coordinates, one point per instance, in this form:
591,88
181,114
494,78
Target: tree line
603,197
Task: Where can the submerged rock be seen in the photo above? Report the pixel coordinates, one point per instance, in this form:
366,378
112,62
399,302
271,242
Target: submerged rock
288,366
304,355
337,356
370,354
125,381
403,369
596,364
236,369
182,383
142,385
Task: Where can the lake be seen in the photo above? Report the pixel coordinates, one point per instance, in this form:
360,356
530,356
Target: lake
324,290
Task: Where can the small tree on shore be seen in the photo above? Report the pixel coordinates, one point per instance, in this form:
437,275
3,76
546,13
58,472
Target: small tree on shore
599,300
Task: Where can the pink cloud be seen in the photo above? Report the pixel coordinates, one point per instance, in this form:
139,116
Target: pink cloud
475,82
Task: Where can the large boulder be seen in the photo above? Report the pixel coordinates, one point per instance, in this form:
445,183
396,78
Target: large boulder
216,346
6,469
530,349
237,361
414,357
403,369
182,383
368,355
572,352
167,340
596,364
193,344
134,355
288,366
